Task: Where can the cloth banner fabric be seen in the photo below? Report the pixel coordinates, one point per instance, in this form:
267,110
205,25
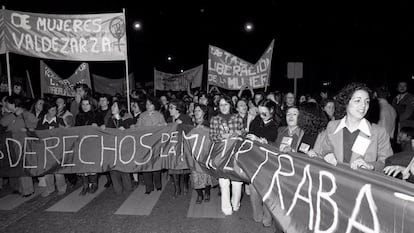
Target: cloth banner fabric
2,40
51,83
303,194
230,72
178,82
111,86
84,37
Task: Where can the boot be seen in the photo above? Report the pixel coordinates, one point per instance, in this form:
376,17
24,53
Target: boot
93,180
207,193
200,196
85,185
108,180
186,178
177,188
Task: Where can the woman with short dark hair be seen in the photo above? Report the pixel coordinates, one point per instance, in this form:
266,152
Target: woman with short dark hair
262,129
177,110
151,117
353,139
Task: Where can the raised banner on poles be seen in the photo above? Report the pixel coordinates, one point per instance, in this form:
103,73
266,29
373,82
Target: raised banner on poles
112,86
51,83
178,82
230,72
303,194
2,40
86,37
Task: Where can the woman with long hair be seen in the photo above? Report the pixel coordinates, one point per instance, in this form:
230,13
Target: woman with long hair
202,181
87,116
222,127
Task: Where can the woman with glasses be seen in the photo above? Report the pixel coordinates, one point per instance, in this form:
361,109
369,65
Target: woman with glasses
262,129
222,127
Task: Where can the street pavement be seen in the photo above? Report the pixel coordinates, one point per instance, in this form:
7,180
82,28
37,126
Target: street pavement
134,211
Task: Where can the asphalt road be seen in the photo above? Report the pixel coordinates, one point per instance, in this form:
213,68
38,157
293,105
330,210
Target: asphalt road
108,212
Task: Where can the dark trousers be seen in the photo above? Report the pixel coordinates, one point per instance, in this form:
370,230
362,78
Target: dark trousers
121,181
150,178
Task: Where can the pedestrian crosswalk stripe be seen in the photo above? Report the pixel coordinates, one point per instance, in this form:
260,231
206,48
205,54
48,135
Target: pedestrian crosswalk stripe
211,209
73,202
139,203
12,201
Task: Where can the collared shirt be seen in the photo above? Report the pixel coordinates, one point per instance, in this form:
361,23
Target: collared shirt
400,97
49,122
363,126
219,126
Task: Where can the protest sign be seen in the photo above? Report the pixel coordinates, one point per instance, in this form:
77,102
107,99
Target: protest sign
230,72
178,82
112,86
86,37
51,83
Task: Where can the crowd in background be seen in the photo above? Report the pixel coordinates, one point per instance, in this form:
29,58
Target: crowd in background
365,128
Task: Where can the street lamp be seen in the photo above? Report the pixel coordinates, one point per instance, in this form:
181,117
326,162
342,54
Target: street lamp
248,27
137,25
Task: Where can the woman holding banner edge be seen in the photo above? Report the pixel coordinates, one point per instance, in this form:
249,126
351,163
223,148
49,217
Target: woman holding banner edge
263,129
353,139
222,127
151,117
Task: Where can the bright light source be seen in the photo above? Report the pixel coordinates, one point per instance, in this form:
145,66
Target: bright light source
248,27
181,70
169,58
137,26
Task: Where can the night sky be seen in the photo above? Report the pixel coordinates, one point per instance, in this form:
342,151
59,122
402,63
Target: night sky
338,41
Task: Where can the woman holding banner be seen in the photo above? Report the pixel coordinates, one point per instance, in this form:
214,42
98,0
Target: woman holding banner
18,119
151,117
202,181
51,121
87,116
121,180
262,129
353,139
222,127
289,137
177,111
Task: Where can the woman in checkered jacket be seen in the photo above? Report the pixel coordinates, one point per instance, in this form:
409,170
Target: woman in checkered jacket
222,127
